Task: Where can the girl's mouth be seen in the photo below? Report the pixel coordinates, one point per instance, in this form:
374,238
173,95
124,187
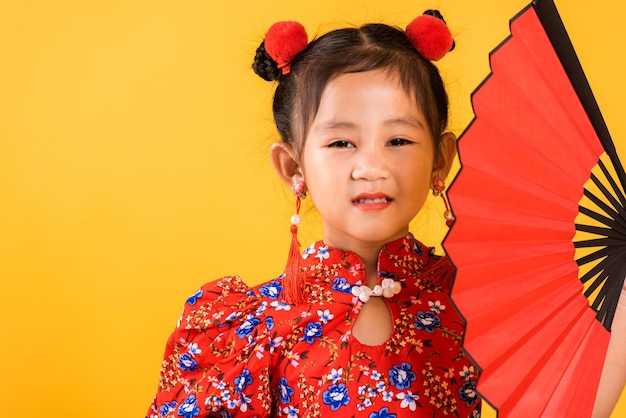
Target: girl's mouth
372,202
369,200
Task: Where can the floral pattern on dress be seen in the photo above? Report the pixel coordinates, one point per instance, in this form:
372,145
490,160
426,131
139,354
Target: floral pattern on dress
245,352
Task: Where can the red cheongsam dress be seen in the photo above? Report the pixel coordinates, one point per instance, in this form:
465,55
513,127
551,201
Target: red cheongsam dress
245,352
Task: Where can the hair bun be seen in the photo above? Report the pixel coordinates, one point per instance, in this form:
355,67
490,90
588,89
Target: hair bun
264,66
430,35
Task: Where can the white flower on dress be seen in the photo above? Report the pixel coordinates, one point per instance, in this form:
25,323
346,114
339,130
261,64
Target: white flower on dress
388,396
467,372
193,349
335,375
310,250
436,307
325,315
322,253
408,400
280,305
291,412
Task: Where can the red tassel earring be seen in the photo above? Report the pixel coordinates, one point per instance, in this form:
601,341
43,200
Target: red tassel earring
438,190
293,286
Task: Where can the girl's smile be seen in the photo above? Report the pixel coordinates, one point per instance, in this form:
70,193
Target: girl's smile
372,201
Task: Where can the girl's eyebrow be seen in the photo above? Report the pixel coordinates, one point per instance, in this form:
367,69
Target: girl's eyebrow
409,121
338,124
335,124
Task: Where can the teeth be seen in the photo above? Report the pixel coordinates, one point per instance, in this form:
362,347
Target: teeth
377,200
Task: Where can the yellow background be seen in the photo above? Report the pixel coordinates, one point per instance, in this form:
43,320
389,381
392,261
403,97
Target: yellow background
133,168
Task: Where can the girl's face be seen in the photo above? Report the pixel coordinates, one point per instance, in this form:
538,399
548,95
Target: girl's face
367,160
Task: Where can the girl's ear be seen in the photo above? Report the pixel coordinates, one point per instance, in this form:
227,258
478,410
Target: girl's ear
447,152
285,163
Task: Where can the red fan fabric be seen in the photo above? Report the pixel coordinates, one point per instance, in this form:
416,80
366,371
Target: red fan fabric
525,159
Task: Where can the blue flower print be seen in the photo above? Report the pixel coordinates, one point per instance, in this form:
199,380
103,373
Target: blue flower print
427,321
168,407
247,327
243,380
336,396
383,413
312,331
401,376
467,392
340,284
189,408
194,298
269,321
271,290
186,362
284,391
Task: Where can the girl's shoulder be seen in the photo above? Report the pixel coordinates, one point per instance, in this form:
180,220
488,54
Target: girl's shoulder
224,344
229,300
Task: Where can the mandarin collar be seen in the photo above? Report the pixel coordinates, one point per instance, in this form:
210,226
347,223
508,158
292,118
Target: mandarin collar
397,260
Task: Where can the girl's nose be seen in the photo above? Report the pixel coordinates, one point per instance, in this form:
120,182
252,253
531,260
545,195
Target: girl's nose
370,164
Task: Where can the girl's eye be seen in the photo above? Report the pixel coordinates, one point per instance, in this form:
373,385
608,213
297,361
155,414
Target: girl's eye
397,142
340,144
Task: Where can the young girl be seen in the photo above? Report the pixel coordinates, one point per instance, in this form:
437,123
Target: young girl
361,323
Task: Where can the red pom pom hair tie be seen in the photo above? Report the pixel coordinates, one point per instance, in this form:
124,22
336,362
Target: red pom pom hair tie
430,35
283,41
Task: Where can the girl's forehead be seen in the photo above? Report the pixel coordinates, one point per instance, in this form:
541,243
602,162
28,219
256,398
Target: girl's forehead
387,74
389,77
359,89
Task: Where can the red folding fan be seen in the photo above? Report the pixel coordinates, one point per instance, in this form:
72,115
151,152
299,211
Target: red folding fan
539,240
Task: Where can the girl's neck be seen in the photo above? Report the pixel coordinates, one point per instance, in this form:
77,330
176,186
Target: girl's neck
368,251
369,255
